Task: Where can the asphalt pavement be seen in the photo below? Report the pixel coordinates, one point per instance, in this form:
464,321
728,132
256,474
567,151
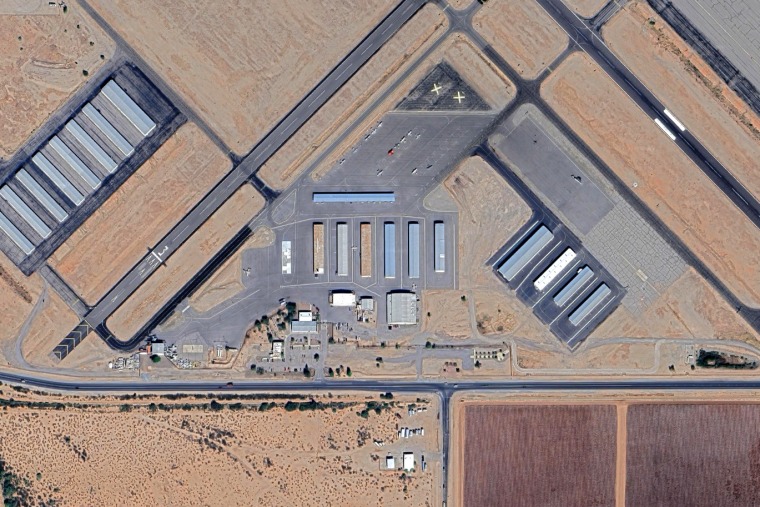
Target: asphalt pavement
299,115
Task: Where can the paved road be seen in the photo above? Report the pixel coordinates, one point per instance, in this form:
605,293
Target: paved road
261,152
584,34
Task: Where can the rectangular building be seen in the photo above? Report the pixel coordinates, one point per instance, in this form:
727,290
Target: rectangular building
286,258
353,197
58,179
74,162
389,245
318,238
108,130
303,326
413,249
408,460
553,271
25,211
589,304
342,299
574,285
517,260
401,309
439,239
17,236
41,195
128,108
365,249
342,249
89,144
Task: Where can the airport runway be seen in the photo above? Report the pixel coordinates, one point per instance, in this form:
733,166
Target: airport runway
583,33
245,170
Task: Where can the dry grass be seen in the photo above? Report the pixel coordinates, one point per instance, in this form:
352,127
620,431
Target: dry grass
240,64
692,91
445,314
140,213
693,455
18,294
156,291
490,212
586,8
42,59
667,181
244,457
226,282
304,146
539,455
522,33
48,327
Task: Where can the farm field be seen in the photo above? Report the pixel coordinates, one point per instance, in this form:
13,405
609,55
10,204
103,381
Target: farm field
526,455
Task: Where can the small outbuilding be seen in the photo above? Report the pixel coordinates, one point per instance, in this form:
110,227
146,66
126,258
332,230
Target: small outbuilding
408,461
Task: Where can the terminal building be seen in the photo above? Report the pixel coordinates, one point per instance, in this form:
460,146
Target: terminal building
401,308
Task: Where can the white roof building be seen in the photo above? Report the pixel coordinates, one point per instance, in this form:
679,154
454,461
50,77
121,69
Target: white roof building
390,462
408,461
343,299
305,316
401,308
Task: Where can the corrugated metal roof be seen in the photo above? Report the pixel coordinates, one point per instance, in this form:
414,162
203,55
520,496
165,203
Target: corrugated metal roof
348,197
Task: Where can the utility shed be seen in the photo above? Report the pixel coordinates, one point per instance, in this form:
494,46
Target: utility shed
401,308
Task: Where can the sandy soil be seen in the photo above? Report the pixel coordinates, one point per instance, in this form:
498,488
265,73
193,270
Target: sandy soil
243,67
612,358
479,72
490,212
496,315
49,326
227,457
445,314
226,282
522,33
353,98
586,8
228,220
460,4
18,295
363,364
667,181
42,59
690,308
140,213
525,452
692,91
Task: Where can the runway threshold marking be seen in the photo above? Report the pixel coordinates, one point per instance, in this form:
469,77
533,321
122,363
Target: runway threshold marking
665,129
675,120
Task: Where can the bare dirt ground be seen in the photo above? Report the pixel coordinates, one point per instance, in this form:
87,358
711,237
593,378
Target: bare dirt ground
598,357
490,212
241,66
667,181
140,213
457,50
586,8
18,295
542,455
163,455
690,308
521,32
443,312
495,315
691,89
363,361
460,4
684,454
230,218
48,327
353,98
226,282
43,59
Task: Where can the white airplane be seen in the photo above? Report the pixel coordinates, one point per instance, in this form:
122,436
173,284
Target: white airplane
459,97
436,88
